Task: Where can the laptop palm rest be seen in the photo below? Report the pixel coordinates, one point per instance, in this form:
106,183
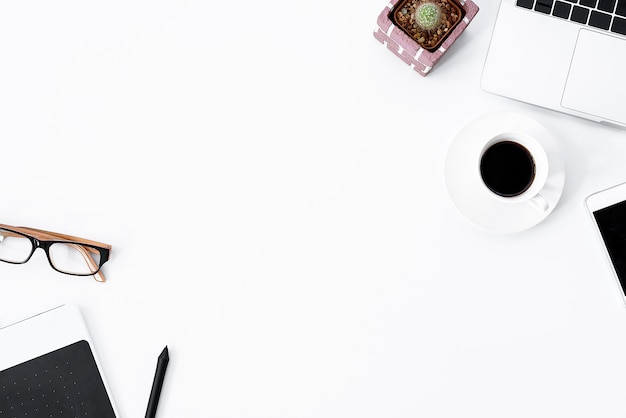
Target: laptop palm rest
595,83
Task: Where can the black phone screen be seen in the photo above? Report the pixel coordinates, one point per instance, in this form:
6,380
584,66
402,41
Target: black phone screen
612,224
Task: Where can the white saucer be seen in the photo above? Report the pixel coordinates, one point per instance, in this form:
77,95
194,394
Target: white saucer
466,187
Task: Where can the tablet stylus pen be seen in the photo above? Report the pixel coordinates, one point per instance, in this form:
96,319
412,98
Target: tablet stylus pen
157,384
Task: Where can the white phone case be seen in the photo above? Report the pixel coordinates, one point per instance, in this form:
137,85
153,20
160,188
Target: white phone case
602,200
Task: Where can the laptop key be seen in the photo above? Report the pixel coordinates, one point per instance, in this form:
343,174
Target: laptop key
561,9
600,20
544,6
606,5
580,14
619,26
570,9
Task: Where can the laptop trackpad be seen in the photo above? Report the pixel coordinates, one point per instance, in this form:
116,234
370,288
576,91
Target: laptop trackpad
595,84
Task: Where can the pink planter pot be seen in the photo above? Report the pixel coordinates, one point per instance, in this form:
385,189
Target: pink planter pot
407,49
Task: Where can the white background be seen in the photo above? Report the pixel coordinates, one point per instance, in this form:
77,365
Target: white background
271,180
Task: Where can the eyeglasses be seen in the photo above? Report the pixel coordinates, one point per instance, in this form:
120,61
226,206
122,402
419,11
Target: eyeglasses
66,254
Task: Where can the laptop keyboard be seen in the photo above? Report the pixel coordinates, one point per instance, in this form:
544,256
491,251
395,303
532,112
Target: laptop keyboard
609,15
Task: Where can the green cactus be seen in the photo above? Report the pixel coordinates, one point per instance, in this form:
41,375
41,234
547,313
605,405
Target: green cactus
428,16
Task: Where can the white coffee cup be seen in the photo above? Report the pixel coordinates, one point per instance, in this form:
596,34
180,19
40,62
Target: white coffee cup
513,167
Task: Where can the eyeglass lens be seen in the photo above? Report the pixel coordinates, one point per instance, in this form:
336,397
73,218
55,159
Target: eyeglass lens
14,248
66,257
74,258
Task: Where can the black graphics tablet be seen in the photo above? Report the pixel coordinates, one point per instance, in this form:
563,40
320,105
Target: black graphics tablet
61,381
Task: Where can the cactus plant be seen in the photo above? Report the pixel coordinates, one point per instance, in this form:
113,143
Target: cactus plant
428,22
421,48
428,16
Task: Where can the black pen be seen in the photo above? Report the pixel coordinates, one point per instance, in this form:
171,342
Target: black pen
157,384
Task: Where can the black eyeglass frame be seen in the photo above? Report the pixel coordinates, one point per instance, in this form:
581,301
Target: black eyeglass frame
104,250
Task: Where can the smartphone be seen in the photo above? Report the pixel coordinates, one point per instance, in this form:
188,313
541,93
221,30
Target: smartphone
608,213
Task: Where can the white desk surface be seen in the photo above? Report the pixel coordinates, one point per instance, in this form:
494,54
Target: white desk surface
271,180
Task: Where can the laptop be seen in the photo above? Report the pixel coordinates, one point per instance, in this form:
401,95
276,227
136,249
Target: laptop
564,55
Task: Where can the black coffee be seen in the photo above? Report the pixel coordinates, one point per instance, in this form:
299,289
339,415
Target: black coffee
507,168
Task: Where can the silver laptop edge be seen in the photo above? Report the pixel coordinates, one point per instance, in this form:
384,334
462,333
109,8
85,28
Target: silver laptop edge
530,58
